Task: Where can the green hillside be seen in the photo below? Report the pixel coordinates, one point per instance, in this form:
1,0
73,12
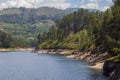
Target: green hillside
98,32
25,15
26,23
24,30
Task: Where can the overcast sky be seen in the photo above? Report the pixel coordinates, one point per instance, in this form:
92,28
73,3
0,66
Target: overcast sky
60,4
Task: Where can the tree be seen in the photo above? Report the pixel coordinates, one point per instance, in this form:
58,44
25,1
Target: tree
5,39
114,27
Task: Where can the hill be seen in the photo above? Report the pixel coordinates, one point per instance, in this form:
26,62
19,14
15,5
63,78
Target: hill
31,15
27,23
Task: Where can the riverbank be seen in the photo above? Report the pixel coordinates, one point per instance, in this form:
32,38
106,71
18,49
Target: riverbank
15,49
96,60
99,61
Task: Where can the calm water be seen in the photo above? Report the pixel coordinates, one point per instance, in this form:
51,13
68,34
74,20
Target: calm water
30,66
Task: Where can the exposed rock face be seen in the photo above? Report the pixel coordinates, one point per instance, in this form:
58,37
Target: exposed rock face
108,68
112,69
116,73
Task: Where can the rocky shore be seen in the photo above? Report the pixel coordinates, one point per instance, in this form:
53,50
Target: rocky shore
97,61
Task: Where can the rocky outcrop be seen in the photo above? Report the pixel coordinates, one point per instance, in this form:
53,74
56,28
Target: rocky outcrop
108,67
116,73
112,69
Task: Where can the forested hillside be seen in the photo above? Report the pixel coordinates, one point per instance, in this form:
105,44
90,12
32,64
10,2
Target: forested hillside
26,23
85,30
74,31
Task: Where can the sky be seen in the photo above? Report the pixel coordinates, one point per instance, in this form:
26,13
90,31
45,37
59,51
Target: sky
60,4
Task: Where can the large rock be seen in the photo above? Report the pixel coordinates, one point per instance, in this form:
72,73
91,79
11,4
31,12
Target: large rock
108,67
116,73
112,69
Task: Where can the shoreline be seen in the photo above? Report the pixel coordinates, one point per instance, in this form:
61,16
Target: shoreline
15,49
97,66
86,56
96,60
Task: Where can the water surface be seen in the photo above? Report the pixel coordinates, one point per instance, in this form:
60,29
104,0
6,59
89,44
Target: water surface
30,66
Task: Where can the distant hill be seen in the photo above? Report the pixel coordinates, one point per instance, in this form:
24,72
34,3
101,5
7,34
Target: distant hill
24,15
33,15
27,23
72,9
76,9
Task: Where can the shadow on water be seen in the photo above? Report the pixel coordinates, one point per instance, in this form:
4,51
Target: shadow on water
97,75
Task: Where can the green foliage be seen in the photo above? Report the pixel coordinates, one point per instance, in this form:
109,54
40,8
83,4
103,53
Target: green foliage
19,43
45,45
109,33
84,30
74,31
78,41
5,39
25,24
24,30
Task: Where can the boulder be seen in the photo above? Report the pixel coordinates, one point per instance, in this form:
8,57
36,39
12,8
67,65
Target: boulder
108,67
116,73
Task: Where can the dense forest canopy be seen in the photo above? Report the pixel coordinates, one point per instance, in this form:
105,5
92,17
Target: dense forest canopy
85,30
5,40
8,41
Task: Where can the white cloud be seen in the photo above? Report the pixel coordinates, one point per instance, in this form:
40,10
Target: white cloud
90,6
105,8
96,4
61,4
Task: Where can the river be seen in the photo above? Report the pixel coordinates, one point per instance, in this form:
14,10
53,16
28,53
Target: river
25,65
